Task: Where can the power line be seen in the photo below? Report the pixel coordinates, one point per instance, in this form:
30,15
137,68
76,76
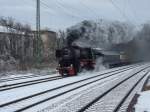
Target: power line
72,9
118,8
46,6
60,6
38,18
89,8
63,8
132,9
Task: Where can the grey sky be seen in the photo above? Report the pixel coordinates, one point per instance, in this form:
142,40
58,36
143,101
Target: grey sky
60,14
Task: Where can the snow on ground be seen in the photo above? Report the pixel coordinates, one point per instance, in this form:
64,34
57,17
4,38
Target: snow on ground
82,100
13,74
55,104
27,79
10,95
44,96
44,74
8,77
108,102
143,104
18,77
137,89
32,89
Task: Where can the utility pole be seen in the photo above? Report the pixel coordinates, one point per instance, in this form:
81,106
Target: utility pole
38,18
38,36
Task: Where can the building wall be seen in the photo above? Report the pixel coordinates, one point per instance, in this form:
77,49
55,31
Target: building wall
49,44
19,48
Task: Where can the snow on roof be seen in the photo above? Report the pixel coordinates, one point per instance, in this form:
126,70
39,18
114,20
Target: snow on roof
110,53
100,49
106,52
3,29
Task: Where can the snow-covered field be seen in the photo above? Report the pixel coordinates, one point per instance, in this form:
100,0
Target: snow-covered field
69,98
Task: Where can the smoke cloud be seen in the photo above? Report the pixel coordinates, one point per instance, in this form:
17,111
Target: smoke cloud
112,35
102,34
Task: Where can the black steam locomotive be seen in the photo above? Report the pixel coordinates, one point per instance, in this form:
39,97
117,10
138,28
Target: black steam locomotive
74,59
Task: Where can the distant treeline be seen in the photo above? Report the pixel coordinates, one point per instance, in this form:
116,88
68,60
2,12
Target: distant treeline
13,26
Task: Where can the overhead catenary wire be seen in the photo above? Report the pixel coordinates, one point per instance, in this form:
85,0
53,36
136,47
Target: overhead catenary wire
123,13
27,22
62,8
89,8
50,10
120,11
73,14
132,10
74,10
44,5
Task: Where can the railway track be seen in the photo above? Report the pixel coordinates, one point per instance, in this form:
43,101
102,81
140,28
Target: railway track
113,102
38,81
41,97
24,77
103,99
27,83
119,105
